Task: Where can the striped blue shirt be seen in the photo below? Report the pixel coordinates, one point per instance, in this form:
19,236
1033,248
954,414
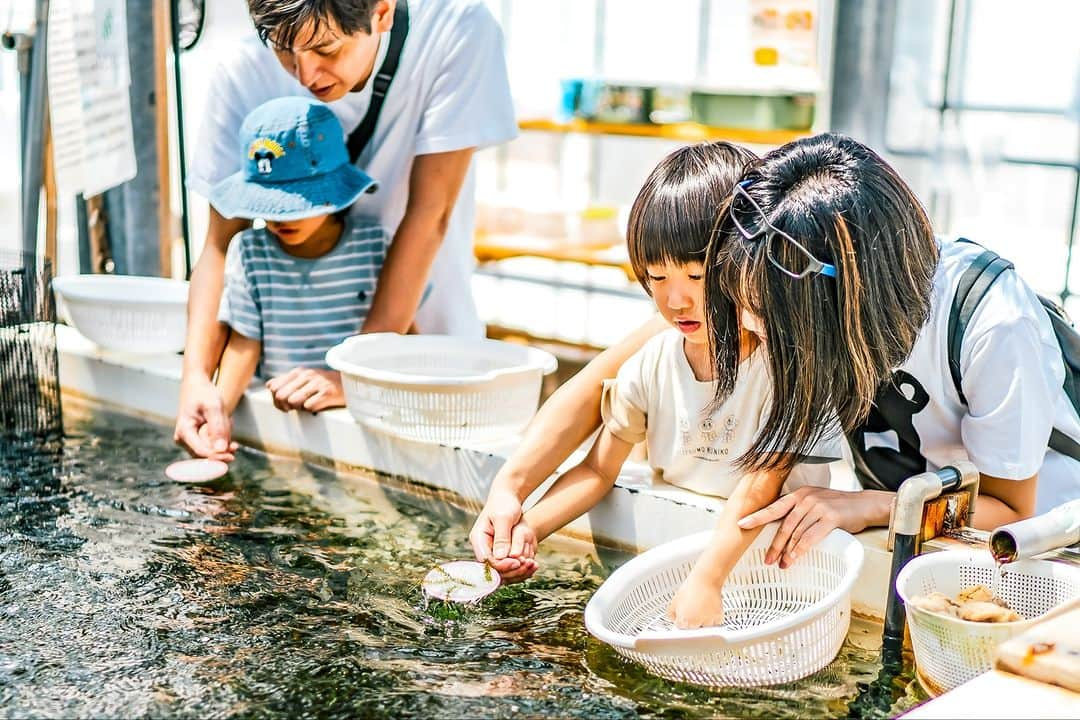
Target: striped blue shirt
299,308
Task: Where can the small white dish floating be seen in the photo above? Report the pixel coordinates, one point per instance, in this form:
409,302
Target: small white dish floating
198,470
461,581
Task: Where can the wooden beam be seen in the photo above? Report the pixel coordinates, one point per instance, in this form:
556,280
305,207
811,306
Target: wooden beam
166,222
100,250
49,183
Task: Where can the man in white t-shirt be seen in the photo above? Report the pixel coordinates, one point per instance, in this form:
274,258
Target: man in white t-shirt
449,97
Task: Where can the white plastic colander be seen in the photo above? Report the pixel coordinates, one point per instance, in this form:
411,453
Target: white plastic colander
950,651
438,388
779,625
126,313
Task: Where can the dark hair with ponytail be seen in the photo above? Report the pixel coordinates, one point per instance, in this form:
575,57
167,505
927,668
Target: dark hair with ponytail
831,342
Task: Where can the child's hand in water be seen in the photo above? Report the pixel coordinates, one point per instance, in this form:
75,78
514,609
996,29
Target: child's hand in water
501,538
697,603
523,549
205,437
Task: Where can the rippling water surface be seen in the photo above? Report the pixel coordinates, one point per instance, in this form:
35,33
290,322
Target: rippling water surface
290,591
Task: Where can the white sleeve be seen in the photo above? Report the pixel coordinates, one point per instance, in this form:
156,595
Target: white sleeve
469,102
624,405
625,402
217,152
1012,375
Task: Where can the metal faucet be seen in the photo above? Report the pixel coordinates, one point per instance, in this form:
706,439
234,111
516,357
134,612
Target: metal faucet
905,535
1052,530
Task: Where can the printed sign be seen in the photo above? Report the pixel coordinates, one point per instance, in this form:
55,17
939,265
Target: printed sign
89,105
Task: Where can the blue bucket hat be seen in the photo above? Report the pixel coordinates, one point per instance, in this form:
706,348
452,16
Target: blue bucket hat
296,165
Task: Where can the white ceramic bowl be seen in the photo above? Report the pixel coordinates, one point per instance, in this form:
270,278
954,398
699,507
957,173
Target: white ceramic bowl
126,313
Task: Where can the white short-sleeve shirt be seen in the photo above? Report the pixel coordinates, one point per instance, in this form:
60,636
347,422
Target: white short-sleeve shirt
450,92
656,398
1012,374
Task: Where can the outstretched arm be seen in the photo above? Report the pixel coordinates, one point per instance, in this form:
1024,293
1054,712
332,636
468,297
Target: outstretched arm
698,603
563,423
238,364
811,513
434,185
201,421
581,487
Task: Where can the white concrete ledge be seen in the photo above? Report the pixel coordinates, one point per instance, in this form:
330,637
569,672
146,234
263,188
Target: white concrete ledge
997,694
632,516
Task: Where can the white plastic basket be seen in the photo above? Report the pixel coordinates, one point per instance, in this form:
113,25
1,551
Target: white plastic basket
950,651
438,388
779,625
127,313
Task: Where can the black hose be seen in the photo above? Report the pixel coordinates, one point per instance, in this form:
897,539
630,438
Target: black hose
892,639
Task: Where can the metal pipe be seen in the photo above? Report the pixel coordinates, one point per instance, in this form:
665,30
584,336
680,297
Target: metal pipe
1074,213
22,44
950,40
863,41
82,230
181,154
1052,530
704,27
33,170
905,527
1053,111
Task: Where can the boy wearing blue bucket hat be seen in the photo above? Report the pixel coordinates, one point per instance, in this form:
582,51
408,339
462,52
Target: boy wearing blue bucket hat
304,282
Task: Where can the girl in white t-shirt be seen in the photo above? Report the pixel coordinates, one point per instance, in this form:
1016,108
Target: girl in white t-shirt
871,344
665,394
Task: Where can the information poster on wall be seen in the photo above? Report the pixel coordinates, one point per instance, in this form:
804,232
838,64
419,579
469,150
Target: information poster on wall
89,105
784,32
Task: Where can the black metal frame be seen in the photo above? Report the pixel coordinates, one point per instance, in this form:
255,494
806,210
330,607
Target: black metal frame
946,105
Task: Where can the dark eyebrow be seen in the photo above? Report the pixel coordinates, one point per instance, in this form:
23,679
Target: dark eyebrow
330,40
324,43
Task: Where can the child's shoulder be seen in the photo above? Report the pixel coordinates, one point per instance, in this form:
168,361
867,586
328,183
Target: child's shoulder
656,350
250,241
365,230
666,341
252,237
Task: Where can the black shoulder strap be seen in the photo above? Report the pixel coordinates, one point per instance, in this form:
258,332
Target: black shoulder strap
1062,443
359,138
973,286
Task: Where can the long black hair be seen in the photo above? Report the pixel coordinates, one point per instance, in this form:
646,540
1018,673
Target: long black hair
830,342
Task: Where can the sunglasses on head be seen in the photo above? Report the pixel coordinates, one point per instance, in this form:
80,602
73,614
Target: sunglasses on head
807,264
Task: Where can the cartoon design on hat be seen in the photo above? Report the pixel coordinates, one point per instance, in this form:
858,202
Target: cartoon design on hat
263,151
315,177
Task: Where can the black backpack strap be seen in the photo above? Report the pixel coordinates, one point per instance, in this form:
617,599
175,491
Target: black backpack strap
361,136
1062,443
973,286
